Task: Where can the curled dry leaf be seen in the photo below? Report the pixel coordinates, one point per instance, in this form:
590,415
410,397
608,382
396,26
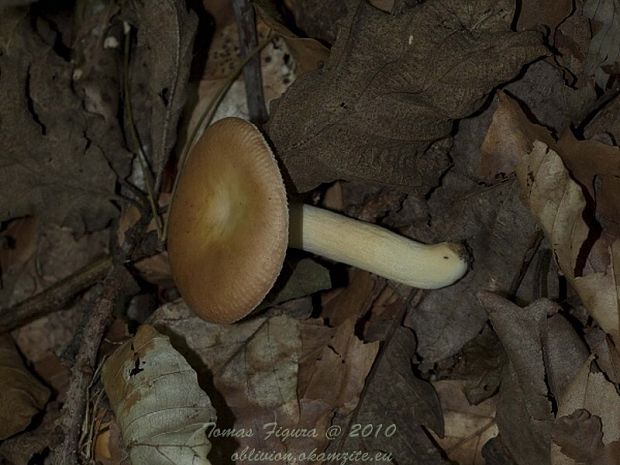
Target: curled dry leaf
392,85
21,395
161,410
559,204
547,171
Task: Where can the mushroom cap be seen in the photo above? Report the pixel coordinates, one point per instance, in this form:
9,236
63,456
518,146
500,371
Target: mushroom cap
228,224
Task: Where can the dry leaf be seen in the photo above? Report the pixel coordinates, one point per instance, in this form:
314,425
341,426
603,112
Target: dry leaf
559,204
308,54
550,14
160,73
21,395
272,370
394,395
46,154
392,86
605,44
467,427
579,436
253,366
159,406
590,392
524,412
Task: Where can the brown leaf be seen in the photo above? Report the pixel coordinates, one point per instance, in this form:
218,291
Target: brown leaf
596,167
487,219
467,427
394,395
591,391
534,13
160,73
46,154
21,395
524,413
508,137
559,204
392,86
253,366
579,435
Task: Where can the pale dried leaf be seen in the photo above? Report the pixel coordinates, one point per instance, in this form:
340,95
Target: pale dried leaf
159,406
559,203
467,427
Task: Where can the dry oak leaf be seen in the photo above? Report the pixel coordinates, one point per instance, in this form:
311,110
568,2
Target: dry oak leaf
158,404
48,167
21,395
559,203
391,87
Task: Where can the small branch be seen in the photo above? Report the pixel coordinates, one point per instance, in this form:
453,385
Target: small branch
55,298
246,21
114,289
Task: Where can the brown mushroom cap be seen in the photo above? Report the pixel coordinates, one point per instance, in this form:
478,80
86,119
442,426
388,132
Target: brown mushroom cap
228,225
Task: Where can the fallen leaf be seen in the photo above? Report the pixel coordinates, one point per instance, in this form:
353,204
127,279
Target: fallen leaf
308,54
392,86
524,412
591,391
403,404
160,73
270,372
21,395
161,410
559,203
579,436
22,448
47,155
467,427
535,13
605,44
318,18
589,395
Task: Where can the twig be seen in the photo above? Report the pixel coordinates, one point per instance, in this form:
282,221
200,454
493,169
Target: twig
59,295
81,374
114,289
246,21
55,298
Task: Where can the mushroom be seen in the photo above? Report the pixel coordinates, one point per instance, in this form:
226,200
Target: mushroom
230,225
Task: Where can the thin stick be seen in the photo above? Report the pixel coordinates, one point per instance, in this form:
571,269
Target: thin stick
55,298
246,21
115,287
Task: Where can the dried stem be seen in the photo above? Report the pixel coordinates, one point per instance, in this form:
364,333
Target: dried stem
115,287
246,21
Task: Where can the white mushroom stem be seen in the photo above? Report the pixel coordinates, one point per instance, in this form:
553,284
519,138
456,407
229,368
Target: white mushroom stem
375,249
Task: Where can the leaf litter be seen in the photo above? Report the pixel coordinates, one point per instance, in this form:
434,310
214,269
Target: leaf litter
396,104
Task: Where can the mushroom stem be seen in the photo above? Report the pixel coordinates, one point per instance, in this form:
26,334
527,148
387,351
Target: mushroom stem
375,249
